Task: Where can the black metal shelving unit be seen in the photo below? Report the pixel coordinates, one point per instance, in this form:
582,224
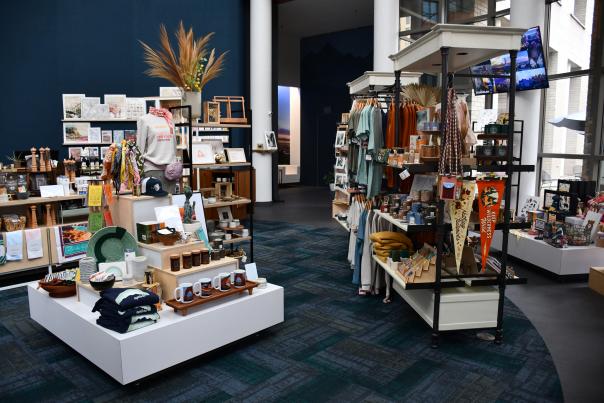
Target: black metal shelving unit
208,130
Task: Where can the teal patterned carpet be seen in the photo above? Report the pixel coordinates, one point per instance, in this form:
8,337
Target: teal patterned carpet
333,346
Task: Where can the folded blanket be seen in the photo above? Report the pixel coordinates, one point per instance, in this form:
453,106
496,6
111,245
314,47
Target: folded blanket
389,237
391,246
124,326
126,298
112,310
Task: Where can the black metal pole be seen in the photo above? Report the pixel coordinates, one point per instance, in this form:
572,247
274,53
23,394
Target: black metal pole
397,102
190,148
507,197
252,186
441,204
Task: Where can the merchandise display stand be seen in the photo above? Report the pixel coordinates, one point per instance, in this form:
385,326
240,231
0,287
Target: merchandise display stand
135,355
210,131
448,49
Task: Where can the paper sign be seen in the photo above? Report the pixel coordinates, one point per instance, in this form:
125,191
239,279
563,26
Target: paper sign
251,272
404,174
95,195
52,191
170,215
95,221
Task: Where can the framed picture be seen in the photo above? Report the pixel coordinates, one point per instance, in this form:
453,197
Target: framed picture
341,180
75,132
224,213
92,152
170,92
235,154
130,135
75,153
561,202
118,136
117,105
341,163
270,140
94,135
72,106
88,107
570,186
211,112
202,153
103,152
106,136
530,204
135,108
340,139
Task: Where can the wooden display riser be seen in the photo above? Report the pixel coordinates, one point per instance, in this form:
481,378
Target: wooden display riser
183,308
158,255
135,355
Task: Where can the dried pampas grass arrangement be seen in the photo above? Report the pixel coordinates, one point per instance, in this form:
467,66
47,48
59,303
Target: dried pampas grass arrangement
194,65
423,95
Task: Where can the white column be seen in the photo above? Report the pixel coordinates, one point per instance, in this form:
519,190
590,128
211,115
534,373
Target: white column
261,89
527,14
385,33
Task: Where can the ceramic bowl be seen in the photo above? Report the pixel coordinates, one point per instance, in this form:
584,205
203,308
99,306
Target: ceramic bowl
103,285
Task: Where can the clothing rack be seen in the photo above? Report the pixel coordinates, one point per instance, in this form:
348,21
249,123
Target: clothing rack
448,39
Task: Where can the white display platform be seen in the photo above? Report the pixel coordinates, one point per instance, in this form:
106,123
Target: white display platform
560,261
172,340
460,308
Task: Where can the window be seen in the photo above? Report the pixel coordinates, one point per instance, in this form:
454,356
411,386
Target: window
580,10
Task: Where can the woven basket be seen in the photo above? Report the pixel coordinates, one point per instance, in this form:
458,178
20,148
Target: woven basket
11,224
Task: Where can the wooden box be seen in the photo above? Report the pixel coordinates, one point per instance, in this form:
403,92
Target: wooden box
596,279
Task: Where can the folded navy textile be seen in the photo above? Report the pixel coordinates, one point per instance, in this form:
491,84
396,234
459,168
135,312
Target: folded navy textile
126,298
111,310
129,324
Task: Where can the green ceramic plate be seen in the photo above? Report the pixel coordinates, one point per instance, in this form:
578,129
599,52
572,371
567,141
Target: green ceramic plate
109,244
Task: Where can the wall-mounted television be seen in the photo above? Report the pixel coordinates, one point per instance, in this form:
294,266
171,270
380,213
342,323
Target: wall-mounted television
531,71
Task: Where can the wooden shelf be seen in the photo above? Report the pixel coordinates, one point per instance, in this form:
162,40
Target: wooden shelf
226,261
41,200
225,204
159,247
183,308
223,165
405,226
236,240
99,120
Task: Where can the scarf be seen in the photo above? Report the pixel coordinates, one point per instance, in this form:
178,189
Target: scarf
163,113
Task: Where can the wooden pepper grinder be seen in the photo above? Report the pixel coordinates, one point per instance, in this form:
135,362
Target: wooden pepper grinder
34,218
34,162
48,215
66,169
42,160
48,160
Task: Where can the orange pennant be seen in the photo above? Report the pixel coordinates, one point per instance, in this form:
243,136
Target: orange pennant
490,193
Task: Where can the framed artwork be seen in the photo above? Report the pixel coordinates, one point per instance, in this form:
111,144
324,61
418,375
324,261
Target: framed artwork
117,105
235,154
100,112
224,213
130,135
88,107
75,153
94,135
202,153
75,132
104,151
530,204
170,92
106,136
72,106
270,141
217,145
340,139
211,112
341,163
135,108
93,152
341,180
561,202
118,136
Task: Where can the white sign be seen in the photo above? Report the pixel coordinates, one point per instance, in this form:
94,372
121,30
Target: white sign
52,191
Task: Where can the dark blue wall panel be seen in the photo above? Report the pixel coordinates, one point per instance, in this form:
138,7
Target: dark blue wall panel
328,62
52,47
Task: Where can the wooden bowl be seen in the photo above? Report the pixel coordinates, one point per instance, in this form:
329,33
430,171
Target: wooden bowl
58,289
168,239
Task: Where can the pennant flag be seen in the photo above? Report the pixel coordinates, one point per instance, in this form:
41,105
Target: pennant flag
460,211
490,193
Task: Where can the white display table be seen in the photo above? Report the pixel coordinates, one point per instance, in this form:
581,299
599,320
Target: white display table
172,340
561,261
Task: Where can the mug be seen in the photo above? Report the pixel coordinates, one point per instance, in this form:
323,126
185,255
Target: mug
186,293
239,279
245,232
222,282
203,288
232,224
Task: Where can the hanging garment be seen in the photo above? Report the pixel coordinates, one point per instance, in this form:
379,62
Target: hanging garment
366,259
465,127
358,254
450,160
352,220
374,144
390,138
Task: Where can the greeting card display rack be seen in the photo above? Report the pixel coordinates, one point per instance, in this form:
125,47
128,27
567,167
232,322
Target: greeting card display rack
448,49
211,130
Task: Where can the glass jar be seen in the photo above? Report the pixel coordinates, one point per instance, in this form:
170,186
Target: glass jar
187,260
174,262
205,256
196,257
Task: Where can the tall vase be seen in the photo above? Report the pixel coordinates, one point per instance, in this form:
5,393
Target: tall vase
193,99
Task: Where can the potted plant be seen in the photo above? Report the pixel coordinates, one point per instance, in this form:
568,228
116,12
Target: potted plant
191,68
329,180
15,160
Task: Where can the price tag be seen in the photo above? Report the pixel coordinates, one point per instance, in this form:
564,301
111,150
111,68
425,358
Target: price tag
404,174
368,157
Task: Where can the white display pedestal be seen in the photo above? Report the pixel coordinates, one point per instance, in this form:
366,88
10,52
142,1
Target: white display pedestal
561,261
172,340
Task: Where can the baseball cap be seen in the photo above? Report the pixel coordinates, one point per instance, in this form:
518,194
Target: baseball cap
152,187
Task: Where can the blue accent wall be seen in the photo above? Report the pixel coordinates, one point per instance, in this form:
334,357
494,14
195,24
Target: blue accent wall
51,47
328,62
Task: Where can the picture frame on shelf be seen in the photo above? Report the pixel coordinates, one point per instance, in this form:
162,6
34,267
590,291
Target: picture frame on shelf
75,132
235,154
270,141
88,107
118,136
341,180
341,163
94,135
106,136
135,108
211,112
530,204
72,106
202,153
117,105
225,213
104,151
75,153
340,139
567,202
